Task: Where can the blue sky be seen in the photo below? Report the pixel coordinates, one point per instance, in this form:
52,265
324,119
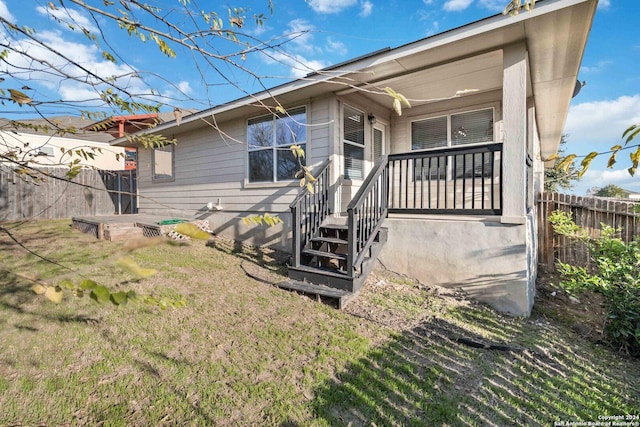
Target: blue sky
332,31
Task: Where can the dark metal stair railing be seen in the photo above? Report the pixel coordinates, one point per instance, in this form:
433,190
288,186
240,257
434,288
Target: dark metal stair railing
366,213
309,210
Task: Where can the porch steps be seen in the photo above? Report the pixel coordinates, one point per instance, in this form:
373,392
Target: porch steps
323,270
341,297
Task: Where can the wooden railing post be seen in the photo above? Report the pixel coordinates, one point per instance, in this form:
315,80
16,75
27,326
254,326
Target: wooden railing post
308,213
296,220
351,246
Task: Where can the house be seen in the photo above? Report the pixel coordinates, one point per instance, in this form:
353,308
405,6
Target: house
444,192
43,146
43,141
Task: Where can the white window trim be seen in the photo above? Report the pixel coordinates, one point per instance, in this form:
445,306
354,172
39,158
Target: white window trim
344,141
448,114
496,137
275,182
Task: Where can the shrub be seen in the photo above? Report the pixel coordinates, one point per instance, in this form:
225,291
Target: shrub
614,272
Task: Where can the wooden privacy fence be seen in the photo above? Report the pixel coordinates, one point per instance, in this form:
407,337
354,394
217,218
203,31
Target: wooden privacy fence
92,192
587,212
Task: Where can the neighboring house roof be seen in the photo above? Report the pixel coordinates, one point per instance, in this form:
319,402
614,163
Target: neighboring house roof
118,126
441,66
633,195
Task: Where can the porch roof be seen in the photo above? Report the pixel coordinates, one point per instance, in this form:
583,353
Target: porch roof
441,66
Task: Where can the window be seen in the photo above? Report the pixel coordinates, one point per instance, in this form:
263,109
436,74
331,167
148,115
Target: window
162,160
353,135
378,144
473,127
468,128
268,141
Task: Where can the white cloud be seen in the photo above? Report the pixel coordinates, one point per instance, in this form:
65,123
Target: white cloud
184,87
493,5
4,12
602,122
301,44
331,6
366,7
59,75
67,16
599,178
428,2
600,65
300,66
604,4
597,126
456,5
300,34
434,29
336,46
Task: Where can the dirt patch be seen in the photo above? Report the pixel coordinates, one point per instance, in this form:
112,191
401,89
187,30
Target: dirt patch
584,313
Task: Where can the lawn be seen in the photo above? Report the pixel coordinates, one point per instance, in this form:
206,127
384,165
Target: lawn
242,352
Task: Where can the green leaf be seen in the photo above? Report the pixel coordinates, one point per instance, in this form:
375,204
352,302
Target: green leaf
100,294
566,163
397,106
310,188
67,284
88,284
586,162
109,57
132,267
631,132
119,298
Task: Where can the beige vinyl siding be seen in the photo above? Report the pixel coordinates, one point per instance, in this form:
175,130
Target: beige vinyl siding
209,167
318,148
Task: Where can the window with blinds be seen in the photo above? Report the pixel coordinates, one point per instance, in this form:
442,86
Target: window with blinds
378,144
268,140
472,127
430,133
353,136
467,128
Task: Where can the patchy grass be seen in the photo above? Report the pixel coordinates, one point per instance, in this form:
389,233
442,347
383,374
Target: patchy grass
245,353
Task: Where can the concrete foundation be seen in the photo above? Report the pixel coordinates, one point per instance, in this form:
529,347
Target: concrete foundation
490,261
229,224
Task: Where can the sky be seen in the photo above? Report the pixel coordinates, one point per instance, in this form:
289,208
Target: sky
319,33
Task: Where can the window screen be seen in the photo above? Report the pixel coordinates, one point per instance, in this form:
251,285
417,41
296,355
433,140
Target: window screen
474,127
431,133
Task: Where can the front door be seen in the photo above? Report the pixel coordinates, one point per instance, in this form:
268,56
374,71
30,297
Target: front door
364,141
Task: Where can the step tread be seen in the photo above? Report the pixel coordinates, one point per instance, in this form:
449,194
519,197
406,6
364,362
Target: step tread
335,226
330,240
338,274
313,288
315,252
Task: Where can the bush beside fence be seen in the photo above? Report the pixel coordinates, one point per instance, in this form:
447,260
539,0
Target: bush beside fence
588,213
